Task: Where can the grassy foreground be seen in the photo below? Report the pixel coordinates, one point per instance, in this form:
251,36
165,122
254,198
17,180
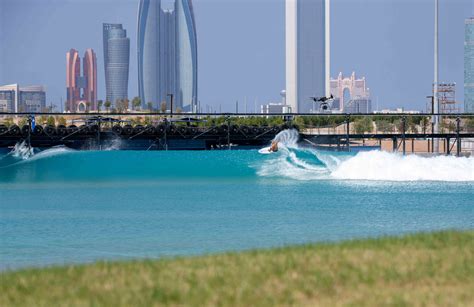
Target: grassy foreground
424,269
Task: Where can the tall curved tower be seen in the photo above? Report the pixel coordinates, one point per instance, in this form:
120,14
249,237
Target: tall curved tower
90,74
116,61
148,50
167,54
81,88
73,76
187,55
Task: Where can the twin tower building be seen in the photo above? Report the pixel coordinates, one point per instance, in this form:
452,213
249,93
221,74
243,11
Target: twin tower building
167,61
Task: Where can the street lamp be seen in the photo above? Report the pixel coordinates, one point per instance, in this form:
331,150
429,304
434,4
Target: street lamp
432,121
171,100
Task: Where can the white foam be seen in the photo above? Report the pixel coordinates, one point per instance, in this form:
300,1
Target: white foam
288,138
113,145
22,151
384,166
371,166
285,163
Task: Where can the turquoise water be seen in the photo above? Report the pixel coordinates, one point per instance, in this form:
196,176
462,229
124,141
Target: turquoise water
61,206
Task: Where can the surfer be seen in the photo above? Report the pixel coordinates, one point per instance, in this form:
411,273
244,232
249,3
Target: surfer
274,147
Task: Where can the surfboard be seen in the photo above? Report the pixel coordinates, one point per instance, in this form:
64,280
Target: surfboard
265,151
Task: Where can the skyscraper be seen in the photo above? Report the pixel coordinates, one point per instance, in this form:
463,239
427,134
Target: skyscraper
81,89
73,76
167,54
469,66
187,55
307,52
90,78
116,61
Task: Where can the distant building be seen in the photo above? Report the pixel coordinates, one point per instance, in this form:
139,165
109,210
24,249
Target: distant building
358,105
351,94
469,66
116,61
307,53
167,54
276,107
9,98
397,111
14,98
81,89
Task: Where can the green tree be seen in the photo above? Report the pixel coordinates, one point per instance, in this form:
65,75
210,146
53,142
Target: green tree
51,121
425,124
107,105
469,124
61,121
23,122
99,105
126,104
363,125
384,126
8,121
119,105
88,106
42,120
136,103
150,106
163,107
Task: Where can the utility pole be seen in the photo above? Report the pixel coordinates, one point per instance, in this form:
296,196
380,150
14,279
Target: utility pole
171,101
432,122
436,118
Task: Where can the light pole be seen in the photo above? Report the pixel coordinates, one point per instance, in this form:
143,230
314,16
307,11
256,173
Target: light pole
171,102
432,120
436,118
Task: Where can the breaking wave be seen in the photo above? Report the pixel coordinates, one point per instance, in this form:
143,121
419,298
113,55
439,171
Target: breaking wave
308,164
22,153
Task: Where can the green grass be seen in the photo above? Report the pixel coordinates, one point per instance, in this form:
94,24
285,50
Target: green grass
423,270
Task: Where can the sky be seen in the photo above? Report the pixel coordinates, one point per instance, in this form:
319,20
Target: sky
241,46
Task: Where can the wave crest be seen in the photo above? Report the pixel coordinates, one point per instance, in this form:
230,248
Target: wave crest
308,164
384,166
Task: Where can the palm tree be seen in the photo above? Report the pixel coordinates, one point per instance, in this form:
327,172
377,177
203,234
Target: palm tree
119,105
107,105
163,107
126,104
150,106
99,105
136,103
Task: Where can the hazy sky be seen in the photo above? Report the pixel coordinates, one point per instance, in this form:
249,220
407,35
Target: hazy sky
242,46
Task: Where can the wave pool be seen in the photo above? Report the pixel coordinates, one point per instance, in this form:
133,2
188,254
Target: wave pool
61,206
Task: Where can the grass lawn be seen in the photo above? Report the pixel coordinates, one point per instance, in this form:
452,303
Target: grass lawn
423,270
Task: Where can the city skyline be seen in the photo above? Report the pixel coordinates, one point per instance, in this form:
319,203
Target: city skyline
225,83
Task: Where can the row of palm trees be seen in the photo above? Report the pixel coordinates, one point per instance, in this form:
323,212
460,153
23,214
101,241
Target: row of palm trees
123,105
